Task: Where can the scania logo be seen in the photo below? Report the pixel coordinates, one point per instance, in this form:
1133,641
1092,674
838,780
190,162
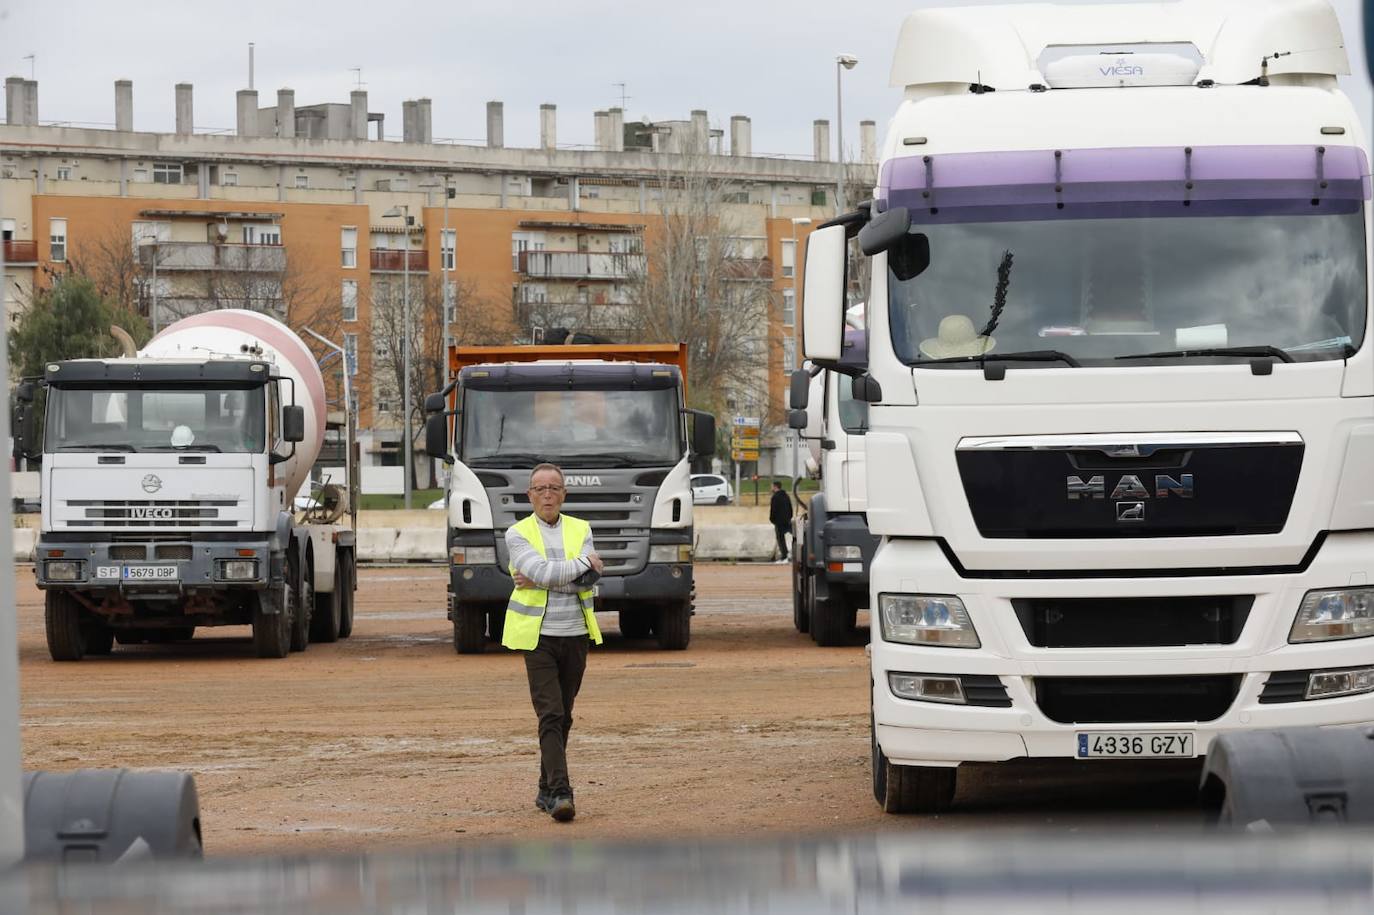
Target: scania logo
583,480
150,514
152,483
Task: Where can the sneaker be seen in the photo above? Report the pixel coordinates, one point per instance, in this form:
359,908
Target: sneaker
544,801
563,809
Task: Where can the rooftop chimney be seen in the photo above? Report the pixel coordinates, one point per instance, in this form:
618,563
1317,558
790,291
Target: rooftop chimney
124,105
184,112
822,141
868,142
548,127
286,113
701,132
14,101
617,129
31,102
247,121
358,99
496,125
601,124
424,120
741,136
409,118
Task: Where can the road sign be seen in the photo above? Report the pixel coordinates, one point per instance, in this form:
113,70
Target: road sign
746,420
742,455
745,443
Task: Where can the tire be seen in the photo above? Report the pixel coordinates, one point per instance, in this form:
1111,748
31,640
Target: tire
98,638
673,627
272,630
636,624
62,620
722,500
327,619
469,629
801,610
496,624
832,620
349,594
304,606
910,789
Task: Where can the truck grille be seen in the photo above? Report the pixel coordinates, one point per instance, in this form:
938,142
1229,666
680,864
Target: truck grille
1132,622
1126,700
151,513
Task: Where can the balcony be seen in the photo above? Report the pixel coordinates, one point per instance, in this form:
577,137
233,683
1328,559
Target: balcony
21,252
579,265
200,256
385,260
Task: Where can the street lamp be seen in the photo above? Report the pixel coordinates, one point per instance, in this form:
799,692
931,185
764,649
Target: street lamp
403,211
152,310
842,63
796,338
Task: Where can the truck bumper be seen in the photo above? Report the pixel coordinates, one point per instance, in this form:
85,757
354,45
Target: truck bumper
1245,676
655,582
116,568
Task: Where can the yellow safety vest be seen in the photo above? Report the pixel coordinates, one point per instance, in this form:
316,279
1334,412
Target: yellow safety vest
525,612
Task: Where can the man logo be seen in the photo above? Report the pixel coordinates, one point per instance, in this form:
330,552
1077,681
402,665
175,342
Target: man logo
1130,486
152,483
1130,511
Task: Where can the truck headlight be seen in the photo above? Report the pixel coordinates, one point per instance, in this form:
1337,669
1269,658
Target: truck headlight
1343,613
670,552
927,688
926,619
62,570
1328,684
841,552
473,555
238,570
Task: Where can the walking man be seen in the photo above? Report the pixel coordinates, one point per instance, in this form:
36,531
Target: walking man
550,619
780,516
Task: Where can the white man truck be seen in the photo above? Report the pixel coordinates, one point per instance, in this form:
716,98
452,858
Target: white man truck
1120,385
832,547
167,487
614,418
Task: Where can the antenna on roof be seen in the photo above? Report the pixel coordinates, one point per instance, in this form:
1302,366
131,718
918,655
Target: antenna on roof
1264,65
359,73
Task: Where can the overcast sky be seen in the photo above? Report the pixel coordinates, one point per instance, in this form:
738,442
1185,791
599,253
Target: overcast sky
773,62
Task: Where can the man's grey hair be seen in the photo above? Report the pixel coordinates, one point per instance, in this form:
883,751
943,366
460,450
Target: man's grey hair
546,466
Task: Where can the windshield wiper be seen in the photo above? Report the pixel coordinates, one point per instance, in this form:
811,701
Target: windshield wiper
1242,351
1039,355
98,447
205,447
508,459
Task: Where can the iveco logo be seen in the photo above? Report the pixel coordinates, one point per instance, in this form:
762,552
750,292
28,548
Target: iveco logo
152,483
583,480
151,514
1130,487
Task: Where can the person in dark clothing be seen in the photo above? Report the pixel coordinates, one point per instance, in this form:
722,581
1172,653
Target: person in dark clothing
780,516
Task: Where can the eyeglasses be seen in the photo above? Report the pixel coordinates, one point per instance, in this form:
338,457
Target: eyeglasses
546,488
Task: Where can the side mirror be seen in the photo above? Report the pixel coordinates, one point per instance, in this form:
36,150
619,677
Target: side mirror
703,433
797,419
885,230
436,434
823,294
866,389
435,403
293,423
799,395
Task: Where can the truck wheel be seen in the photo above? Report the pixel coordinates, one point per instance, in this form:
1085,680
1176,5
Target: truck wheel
305,604
469,629
674,625
349,594
496,624
801,609
327,619
272,631
62,619
636,624
910,789
98,638
832,620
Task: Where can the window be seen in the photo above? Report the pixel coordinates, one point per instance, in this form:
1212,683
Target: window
448,244
149,231
349,299
229,179
383,404
302,181
351,353
789,308
262,235
58,240
141,175
166,173
400,184
7,229
348,242
789,354
351,182
64,173
789,258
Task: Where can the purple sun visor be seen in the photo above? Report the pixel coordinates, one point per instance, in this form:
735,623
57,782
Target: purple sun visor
1107,183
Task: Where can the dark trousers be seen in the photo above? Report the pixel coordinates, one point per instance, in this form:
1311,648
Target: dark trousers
555,669
781,530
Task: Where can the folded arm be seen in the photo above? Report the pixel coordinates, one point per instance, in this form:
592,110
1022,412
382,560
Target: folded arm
548,574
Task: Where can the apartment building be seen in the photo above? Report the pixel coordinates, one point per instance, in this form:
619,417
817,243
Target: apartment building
312,213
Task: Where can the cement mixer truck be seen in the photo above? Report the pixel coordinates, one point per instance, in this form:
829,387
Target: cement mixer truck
168,484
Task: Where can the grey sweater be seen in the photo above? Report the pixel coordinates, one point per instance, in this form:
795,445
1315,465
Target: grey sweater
563,614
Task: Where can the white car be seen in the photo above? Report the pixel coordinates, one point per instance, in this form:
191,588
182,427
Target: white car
711,489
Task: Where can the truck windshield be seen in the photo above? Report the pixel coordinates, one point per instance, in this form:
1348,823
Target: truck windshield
1101,289
573,428
156,418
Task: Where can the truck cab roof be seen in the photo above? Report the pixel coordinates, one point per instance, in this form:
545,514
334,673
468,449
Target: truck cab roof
137,370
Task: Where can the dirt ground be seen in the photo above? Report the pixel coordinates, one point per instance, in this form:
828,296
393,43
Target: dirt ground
389,739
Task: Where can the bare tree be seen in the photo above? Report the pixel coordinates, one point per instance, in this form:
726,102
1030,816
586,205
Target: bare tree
695,285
